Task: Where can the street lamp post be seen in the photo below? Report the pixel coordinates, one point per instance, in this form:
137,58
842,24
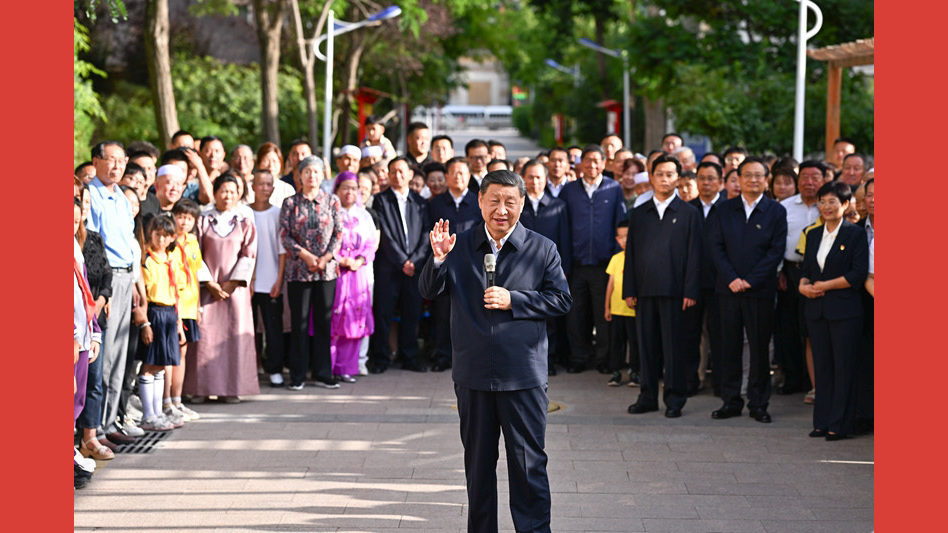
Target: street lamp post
802,37
334,28
574,71
624,56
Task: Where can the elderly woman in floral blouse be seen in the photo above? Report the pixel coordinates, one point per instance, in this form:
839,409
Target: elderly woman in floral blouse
311,225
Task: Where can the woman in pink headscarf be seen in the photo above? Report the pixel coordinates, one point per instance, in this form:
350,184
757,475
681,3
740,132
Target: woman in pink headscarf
352,318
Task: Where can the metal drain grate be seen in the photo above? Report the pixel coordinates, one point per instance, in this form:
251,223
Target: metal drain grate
144,444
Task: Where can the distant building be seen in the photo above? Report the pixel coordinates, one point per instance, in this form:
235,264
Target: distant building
486,84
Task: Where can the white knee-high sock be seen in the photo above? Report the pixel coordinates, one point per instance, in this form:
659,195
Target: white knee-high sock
146,391
159,391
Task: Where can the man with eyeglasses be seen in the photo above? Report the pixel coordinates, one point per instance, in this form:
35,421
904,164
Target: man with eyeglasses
733,157
748,235
478,154
790,332
110,214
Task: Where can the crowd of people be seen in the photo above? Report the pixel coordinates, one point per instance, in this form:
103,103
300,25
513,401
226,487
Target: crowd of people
199,269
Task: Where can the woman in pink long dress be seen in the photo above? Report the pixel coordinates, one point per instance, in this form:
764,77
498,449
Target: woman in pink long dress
225,363
352,318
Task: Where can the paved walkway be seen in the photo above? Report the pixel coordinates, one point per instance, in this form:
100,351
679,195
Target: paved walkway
384,454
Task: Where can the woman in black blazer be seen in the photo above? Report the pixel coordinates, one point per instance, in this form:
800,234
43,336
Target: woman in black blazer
835,266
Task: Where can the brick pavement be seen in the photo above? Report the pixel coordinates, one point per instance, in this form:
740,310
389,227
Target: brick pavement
384,454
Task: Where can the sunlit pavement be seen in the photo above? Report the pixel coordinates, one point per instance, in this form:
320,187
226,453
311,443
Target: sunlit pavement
384,454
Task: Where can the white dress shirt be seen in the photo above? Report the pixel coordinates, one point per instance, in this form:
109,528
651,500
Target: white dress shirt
799,216
591,188
829,238
661,206
535,201
458,199
749,207
496,246
402,206
556,189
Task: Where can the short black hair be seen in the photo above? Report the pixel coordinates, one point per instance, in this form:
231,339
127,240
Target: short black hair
711,164
181,133
503,162
81,166
785,171
666,158
504,178
840,190
416,126
457,160
433,166
297,142
372,120
653,152
843,140
133,168
226,177
164,223
186,206
687,175
856,154
590,148
624,223
753,159
399,158
737,150
535,163
140,148
786,161
558,149
211,138
812,163
671,134
475,143
492,143
437,138
176,154
98,151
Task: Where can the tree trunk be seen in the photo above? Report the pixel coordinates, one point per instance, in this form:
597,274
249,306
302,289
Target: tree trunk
159,68
269,17
307,62
352,76
601,59
654,123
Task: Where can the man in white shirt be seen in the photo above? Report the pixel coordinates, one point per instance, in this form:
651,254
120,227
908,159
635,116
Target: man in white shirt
558,167
478,155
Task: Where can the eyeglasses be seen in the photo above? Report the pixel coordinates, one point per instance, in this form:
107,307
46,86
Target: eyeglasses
833,203
852,216
758,176
665,174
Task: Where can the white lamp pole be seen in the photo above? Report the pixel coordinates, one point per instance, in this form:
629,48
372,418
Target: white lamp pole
802,37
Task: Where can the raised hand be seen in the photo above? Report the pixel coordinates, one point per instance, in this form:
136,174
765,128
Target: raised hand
441,241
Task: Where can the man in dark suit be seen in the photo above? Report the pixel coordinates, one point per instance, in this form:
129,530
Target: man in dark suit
595,207
705,317
457,205
662,269
478,155
546,215
748,236
500,359
403,221
865,366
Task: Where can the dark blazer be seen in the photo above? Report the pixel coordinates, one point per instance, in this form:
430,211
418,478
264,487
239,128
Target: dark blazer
746,248
393,252
849,257
593,220
551,221
498,350
460,217
708,274
663,256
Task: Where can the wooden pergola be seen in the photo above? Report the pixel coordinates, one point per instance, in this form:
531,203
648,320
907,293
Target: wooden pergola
838,57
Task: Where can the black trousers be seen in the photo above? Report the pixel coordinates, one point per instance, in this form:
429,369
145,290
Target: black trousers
692,319
587,285
756,316
307,352
789,330
623,337
711,311
662,343
558,341
865,364
521,416
836,347
271,314
442,326
394,291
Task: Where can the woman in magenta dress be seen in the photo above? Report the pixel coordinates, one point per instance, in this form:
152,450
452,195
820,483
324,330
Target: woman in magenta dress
352,318
225,362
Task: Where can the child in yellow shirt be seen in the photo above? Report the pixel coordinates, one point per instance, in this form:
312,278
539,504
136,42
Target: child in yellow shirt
622,333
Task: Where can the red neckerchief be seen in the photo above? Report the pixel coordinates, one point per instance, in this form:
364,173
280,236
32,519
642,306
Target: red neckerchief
174,286
184,258
87,299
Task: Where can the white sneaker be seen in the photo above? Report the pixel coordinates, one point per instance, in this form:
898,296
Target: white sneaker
276,380
85,463
363,371
131,429
173,412
192,414
156,423
296,387
133,414
175,421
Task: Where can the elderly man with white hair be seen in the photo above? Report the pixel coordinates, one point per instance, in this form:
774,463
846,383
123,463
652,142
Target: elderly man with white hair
686,156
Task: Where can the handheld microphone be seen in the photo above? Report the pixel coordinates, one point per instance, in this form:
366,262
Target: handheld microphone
490,264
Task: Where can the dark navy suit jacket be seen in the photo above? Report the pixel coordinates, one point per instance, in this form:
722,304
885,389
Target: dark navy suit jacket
708,274
498,350
593,220
550,220
393,251
748,248
663,256
849,257
460,217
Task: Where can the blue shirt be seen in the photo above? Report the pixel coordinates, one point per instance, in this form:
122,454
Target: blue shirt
110,214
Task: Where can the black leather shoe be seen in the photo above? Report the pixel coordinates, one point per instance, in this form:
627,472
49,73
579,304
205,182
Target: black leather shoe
440,366
551,371
784,390
413,366
726,412
639,408
760,415
575,368
817,433
603,368
671,412
376,369
836,436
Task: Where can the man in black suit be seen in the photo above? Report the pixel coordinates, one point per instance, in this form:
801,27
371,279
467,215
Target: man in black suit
546,215
706,319
662,269
500,359
403,221
457,205
478,155
748,236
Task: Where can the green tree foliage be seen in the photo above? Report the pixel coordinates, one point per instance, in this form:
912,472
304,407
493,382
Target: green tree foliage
216,98
86,109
